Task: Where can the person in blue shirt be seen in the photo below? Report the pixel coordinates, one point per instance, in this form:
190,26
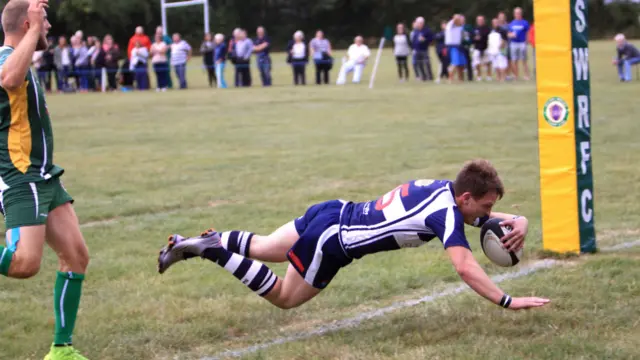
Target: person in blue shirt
219,59
420,41
518,30
628,55
262,45
441,51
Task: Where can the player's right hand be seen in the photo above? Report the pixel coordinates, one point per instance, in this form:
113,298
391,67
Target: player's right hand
527,302
36,13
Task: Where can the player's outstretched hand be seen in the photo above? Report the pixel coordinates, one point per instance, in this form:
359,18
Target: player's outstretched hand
527,302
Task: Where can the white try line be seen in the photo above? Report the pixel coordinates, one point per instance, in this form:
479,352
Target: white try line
360,318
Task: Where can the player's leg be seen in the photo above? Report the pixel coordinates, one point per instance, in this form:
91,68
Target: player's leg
292,291
271,248
21,258
23,210
64,237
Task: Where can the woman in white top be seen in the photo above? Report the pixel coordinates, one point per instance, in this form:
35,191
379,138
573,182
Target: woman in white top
160,62
402,49
299,55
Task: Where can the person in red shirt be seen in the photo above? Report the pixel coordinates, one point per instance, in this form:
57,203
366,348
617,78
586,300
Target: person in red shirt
139,36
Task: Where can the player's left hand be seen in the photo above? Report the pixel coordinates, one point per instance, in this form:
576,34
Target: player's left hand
514,240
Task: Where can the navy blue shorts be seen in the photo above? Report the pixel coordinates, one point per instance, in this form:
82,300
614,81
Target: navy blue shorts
318,254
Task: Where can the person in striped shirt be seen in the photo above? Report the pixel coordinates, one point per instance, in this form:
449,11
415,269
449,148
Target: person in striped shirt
332,234
33,201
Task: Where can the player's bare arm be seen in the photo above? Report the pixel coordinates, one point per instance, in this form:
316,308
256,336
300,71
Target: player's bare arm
473,275
17,64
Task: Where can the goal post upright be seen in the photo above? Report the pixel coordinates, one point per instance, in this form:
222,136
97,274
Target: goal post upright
564,125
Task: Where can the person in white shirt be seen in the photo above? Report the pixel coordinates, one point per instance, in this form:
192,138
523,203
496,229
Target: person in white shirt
497,50
299,56
401,50
357,57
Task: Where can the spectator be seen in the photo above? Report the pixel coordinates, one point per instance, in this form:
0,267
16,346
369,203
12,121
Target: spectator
139,65
357,57
63,63
298,58
497,50
97,62
168,41
320,51
420,43
467,41
402,50
206,50
243,51
441,51
628,55
140,37
160,63
48,63
180,55
453,42
38,63
480,43
262,48
504,26
81,63
518,29
413,51
92,52
126,76
220,58
111,58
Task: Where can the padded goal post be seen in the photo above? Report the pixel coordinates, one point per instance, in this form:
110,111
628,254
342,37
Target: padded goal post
564,125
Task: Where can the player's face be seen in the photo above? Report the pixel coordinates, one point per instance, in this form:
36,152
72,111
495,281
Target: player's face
472,208
43,43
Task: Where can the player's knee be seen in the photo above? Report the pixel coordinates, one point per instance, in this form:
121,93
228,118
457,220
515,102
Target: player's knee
288,303
81,257
75,259
25,267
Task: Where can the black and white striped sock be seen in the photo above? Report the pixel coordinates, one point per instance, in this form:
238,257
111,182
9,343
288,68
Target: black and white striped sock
237,241
257,276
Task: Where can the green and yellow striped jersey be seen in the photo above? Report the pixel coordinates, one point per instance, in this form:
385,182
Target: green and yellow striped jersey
26,137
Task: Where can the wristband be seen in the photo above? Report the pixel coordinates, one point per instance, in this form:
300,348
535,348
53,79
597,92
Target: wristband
506,301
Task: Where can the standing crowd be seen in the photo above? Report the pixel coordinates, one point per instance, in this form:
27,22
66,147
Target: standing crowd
500,47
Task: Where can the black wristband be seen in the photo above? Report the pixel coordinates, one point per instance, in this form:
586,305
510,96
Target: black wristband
506,301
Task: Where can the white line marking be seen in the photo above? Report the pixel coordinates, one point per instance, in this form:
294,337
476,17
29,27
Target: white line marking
358,319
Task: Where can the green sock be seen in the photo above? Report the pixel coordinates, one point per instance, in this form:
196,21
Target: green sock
6,256
66,299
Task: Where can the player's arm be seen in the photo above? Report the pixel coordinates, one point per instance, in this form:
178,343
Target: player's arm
15,66
473,275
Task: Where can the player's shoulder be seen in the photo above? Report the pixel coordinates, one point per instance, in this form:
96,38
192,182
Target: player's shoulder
435,190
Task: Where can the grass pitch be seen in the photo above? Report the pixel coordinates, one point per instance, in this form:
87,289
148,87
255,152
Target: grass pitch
144,165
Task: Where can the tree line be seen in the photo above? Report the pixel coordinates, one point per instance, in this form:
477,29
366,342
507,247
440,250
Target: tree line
340,19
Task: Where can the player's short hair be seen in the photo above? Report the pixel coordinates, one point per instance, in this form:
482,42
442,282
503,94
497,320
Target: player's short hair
13,15
478,177
619,37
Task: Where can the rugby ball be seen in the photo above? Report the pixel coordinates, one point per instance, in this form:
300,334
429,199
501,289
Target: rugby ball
490,235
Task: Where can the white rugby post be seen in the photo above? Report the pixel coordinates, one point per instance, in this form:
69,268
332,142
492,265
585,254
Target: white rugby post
164,5
375,64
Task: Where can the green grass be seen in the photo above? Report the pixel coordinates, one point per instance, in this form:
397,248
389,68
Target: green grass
144,165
